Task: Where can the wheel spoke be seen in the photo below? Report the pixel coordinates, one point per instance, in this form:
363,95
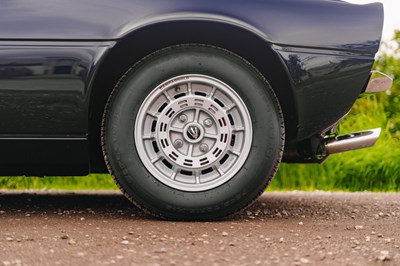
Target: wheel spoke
174,173
148,137
238,129
229,108
211,136
220,171
197,174
212,92
152,115
196,115
189,88
186,149
235,153
190,151
167,96
176,129
156,159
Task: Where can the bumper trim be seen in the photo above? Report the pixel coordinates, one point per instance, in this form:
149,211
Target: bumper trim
378,82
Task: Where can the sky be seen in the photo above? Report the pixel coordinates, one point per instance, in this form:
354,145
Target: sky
392,15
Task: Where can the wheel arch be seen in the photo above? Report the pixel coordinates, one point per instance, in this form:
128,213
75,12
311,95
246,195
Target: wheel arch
148,39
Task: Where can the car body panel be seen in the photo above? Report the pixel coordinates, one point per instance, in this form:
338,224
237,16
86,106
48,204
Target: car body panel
316,83
52,50
288,22
44,88
44,106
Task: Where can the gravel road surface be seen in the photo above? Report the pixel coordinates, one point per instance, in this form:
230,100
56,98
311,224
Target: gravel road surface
294,228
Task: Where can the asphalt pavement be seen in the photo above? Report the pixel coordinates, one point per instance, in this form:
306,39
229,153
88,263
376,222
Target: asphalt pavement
292,228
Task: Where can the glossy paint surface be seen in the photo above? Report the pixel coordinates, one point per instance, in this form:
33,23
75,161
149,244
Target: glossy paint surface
51,50
43,89
44,106
318,23
324,92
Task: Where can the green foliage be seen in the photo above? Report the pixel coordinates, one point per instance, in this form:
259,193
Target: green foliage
373,169
389,63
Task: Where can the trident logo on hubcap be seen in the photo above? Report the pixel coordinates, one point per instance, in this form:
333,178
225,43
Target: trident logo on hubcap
193,132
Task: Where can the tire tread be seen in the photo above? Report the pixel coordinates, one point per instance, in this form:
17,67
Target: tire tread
105,120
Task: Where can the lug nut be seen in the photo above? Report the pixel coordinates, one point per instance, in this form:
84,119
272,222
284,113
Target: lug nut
183,118
208,122
204,147
178,143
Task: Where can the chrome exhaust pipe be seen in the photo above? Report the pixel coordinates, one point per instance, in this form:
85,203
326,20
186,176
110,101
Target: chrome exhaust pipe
352,141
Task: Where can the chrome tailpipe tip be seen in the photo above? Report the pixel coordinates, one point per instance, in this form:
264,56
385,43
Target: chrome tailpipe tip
352,141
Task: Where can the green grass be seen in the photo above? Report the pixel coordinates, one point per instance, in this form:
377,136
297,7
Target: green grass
94,181
377,170
373,169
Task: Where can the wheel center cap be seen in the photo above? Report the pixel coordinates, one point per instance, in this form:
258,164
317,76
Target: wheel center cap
193,132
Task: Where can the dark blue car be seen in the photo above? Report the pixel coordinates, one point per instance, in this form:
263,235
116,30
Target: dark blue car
191,105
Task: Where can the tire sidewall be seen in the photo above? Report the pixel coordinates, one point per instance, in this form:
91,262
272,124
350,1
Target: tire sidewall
128,169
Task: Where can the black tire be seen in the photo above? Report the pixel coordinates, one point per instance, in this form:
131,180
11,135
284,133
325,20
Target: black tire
164,201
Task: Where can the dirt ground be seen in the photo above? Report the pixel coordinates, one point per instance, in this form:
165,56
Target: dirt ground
294,228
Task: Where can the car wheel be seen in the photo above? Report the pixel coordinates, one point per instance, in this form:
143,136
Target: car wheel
192,132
